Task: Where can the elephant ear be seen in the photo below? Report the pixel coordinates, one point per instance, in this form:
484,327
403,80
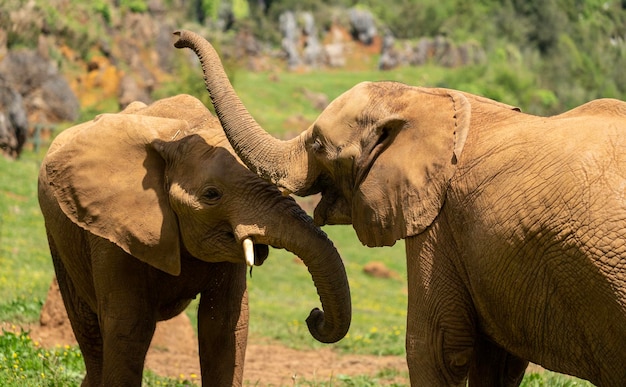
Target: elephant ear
405,187
109,180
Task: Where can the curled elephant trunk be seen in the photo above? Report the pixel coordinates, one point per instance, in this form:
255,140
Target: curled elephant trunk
330,279
284,163
295,231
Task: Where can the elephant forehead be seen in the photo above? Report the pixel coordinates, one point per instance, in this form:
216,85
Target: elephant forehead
340,118
228,167
350,103
202,162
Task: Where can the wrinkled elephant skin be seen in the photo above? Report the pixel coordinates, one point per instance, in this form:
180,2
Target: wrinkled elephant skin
515,225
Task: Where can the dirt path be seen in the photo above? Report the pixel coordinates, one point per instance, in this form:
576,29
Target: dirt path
174,353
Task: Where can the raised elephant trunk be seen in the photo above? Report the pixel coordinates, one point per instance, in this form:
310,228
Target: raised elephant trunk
284,163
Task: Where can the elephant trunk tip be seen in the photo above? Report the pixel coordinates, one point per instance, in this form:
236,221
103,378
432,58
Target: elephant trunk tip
322,331
187,39
182,40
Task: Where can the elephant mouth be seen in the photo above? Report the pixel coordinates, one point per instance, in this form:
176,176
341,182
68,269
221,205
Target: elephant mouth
261,252
254,253
332,209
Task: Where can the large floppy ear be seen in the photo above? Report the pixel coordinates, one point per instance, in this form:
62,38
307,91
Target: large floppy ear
404,187
110,180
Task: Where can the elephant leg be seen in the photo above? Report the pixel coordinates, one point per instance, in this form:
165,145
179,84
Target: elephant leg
494,366
440,320
126,343
83,320
126,311
223,326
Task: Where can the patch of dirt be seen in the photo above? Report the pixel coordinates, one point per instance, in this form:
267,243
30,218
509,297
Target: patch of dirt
174,352
380,270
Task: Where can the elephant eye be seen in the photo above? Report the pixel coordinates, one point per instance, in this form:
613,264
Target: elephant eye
212,194
317,145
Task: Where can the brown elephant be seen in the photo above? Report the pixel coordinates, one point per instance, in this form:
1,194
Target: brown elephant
515,225
148,208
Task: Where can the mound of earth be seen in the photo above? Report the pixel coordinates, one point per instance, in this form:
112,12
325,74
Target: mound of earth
174,352
380,270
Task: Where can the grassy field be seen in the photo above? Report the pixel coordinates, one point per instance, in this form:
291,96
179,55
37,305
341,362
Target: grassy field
281,292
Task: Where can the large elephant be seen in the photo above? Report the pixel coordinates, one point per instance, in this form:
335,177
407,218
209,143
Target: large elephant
515,225
148,208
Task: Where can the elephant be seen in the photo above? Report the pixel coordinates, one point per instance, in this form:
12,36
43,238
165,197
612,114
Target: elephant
514,225
147,208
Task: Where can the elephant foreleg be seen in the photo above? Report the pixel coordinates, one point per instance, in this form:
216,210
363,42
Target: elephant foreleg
83,320
441,325
493,366
126,311
223,326
126,343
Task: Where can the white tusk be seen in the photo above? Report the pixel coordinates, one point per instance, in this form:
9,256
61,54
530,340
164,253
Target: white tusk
248,250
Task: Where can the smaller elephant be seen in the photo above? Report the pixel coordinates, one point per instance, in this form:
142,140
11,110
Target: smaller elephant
148,208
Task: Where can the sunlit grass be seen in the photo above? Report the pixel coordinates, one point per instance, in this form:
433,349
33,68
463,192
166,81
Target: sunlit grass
282,294
26,267
23,360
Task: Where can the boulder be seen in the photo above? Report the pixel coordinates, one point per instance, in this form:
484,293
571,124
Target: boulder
13,121
46,94
291,36
363,26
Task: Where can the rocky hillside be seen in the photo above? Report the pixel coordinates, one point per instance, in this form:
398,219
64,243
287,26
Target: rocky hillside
59,58
63,58
66,60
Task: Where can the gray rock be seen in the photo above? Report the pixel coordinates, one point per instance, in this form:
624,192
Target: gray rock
313,51
31,86
363,25
13,121
289,30
389,58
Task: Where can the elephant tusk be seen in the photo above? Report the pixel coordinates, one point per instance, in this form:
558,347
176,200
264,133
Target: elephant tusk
248,250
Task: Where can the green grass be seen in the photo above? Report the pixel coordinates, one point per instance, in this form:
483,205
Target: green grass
549,379
24,259
282,294
281,291
22,360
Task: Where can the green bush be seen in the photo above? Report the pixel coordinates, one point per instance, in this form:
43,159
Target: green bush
138,6
103,8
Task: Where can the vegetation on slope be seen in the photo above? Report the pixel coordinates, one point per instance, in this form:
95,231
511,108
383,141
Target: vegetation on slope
544,55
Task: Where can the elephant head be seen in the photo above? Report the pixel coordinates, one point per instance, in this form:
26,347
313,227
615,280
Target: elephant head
373,153
154,184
